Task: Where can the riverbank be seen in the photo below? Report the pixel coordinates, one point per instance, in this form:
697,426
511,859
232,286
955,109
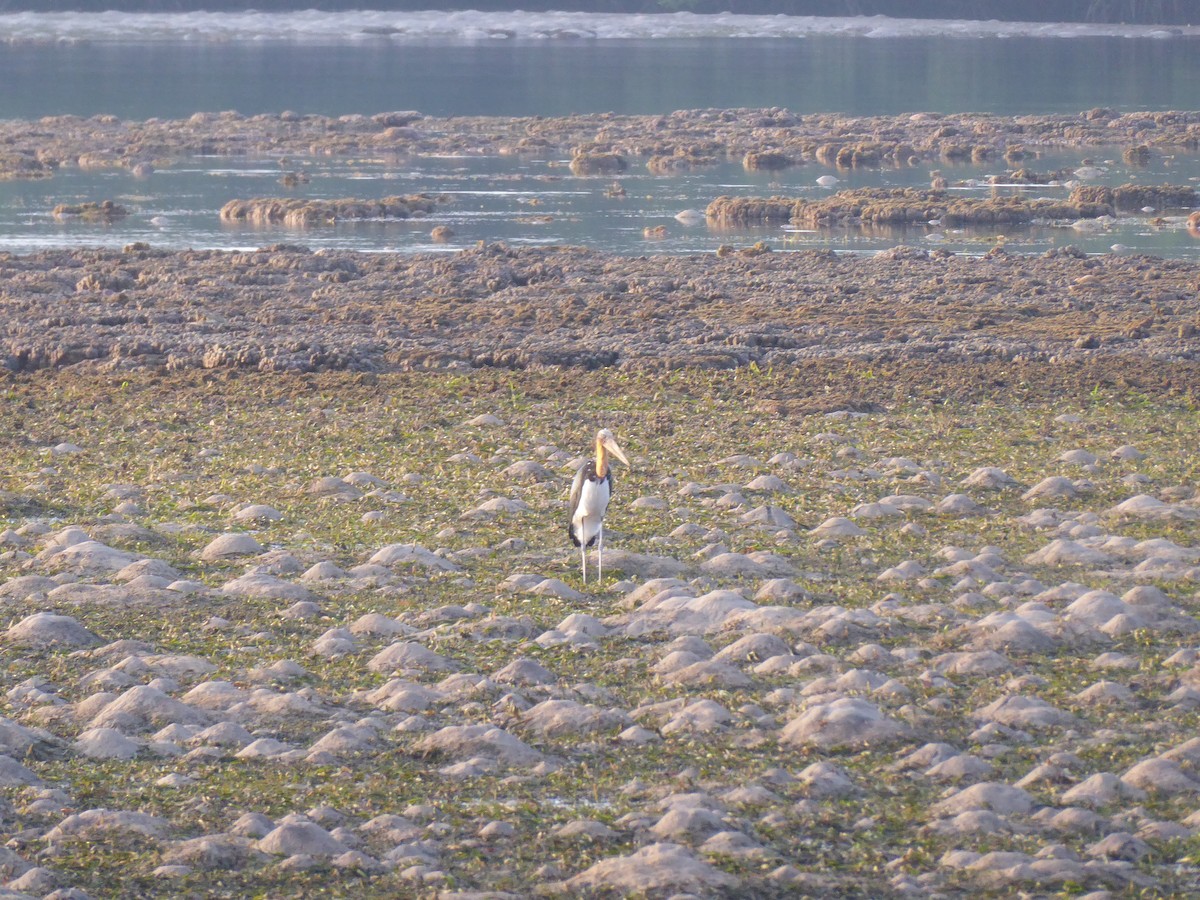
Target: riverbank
941,323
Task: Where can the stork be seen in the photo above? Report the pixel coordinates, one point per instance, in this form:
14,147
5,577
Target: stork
590,493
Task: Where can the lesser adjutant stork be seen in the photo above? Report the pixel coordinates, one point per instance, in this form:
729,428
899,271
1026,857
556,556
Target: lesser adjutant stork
590,493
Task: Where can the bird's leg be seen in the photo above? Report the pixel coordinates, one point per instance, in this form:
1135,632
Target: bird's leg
583,551
600,553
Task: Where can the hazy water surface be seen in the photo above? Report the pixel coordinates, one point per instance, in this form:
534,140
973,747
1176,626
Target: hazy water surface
170,66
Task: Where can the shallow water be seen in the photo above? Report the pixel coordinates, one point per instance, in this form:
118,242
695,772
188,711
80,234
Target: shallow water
538,201
556,64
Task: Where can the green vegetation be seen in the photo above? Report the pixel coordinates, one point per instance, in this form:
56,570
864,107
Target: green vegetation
186,441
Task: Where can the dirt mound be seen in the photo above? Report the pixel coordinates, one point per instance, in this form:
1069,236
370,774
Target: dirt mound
901,206
303,213
1137,196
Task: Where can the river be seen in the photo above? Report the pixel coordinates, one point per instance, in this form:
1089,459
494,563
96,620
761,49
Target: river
517,64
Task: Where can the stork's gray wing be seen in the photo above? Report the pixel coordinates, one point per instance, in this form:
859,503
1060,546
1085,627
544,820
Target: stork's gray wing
576,492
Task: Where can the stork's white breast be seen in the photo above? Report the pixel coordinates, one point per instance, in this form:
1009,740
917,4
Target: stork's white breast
593,500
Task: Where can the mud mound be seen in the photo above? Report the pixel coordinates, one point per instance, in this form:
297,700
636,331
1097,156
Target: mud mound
23,165
679,161
105,211
597,164
767,161
1137,196
875,206
301,213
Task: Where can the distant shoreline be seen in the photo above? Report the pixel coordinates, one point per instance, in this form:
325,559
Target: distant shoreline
1147,12
141,23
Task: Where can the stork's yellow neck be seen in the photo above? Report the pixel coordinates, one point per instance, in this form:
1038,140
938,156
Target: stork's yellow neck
601,459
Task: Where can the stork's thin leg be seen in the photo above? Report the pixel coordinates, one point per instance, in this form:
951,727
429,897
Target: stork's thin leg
583,550
600,553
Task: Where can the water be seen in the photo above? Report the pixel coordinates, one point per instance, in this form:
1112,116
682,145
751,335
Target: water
516,64
538,201
853,75
558,64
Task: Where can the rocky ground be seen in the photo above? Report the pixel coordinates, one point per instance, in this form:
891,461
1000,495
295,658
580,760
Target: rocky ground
899,593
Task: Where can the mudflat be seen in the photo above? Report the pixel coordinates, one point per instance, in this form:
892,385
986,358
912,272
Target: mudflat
764,138
956,324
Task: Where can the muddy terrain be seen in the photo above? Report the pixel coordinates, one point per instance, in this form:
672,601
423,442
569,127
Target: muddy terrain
761,138
979,323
